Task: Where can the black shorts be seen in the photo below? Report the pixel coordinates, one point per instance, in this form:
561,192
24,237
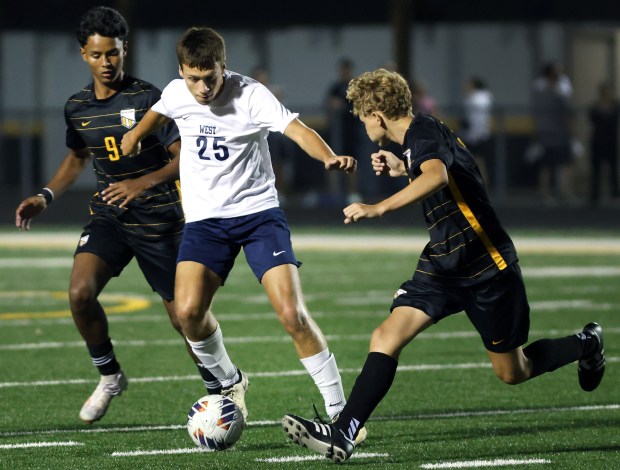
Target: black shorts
498,308
156,257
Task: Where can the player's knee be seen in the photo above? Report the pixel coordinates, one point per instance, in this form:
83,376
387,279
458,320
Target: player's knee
511,377
381,335
293,319
82,296
186,313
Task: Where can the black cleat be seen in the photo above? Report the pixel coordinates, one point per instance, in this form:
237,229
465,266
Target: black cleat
592,367
326,439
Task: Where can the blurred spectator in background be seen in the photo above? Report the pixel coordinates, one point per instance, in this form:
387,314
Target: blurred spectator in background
553,121
281,148
562,84
604,117
475,129
423,102
345,133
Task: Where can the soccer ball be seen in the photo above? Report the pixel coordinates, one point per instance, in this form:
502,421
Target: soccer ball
215,422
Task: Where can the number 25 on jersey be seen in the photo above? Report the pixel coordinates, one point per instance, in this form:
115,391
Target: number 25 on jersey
220,152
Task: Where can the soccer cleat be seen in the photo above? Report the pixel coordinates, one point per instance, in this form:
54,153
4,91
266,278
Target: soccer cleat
237,391
592,367
326,439
97,404
362,434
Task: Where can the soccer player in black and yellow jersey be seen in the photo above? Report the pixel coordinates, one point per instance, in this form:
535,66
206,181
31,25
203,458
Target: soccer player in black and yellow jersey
470,265
136,211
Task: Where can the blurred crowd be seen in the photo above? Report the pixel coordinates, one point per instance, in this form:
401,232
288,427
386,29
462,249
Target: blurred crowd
554,154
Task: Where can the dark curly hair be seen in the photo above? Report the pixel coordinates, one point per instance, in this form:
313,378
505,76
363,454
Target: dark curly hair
104,21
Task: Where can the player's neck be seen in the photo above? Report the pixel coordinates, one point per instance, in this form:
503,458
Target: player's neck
105,90
398,128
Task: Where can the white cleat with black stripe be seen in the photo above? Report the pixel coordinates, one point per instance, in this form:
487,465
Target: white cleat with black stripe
326,439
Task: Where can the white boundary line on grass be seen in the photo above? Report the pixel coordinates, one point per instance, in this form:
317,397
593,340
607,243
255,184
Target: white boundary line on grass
459,414
26,445
284,373
439,335
309,458
485,463
136,453
354,242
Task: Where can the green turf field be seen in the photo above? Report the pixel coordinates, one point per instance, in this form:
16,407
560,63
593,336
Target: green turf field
446,409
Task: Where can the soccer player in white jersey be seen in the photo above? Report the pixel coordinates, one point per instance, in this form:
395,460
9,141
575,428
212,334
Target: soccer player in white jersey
230,202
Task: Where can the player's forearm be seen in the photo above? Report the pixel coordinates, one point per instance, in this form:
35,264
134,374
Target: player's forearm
150,122
66,174
170,172
419,189
316,147
309,141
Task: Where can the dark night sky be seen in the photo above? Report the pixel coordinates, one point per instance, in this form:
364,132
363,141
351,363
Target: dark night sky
256,14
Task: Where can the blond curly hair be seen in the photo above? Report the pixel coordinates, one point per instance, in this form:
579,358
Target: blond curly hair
380,90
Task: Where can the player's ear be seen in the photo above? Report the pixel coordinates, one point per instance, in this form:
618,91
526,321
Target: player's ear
83,54
378,115
181,71
124,48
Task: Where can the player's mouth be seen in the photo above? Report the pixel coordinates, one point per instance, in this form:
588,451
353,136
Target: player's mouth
108,74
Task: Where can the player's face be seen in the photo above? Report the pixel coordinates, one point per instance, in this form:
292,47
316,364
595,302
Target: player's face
105,57
375,129
204,85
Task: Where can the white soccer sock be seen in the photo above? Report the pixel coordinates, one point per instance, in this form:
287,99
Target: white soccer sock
323,369
212,353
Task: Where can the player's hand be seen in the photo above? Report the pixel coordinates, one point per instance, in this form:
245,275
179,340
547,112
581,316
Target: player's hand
129,146
124,191
342,163
28,209
358,211
386,163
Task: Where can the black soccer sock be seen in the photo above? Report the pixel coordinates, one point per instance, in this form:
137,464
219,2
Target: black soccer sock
370,387
549,354
103,357
214,386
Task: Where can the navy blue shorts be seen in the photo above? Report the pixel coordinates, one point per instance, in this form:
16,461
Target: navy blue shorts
264,236
156,256
498,308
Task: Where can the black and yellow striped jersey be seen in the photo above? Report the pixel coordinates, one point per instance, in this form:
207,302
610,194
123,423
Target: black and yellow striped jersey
99,126
467,241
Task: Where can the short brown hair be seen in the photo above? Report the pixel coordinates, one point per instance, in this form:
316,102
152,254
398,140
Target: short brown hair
201,47
380,90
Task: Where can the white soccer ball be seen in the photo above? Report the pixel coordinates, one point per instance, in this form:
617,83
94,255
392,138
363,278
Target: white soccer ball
215,422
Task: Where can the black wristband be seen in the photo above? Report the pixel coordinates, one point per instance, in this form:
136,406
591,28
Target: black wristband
48,194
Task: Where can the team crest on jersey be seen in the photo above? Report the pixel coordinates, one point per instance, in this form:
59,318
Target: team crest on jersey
84,240
128,118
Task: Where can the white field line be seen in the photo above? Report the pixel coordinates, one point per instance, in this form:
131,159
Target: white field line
194,450
352,242
284,373
543,306
272,339
262,423
136,453
310,458
485,463
531,272
26,445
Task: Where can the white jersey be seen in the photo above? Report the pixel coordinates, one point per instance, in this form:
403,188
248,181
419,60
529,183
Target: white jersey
225,163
